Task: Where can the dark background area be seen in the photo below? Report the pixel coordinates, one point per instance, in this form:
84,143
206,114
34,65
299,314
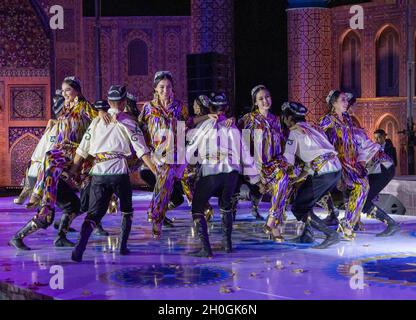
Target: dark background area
260,40
260,50
114,8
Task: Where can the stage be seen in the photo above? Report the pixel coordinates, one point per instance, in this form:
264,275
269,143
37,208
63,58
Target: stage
257,269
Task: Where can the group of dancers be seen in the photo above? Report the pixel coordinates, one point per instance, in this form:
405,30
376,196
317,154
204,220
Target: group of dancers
92,149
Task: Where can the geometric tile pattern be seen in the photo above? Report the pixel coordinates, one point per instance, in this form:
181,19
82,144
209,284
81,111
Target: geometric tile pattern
387,269
212,26
213,31
167,276
23,42
21,153
16,132
167,40
28,103
309,58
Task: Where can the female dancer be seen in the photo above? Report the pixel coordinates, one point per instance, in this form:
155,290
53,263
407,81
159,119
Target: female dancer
380,169
339,129
272,166
160,118
38,156
74,120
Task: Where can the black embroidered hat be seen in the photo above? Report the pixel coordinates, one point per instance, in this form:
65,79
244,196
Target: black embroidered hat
117,93
101,105
296,108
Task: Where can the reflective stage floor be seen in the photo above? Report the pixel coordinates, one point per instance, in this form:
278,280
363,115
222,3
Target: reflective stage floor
366,268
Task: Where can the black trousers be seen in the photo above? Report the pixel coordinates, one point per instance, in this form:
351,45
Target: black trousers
223,184
101,190
311,191
84,195
377,183
177,194
66,198
253,189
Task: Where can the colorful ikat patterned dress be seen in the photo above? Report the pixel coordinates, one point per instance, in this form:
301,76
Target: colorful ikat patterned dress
340,132
271,165
160,127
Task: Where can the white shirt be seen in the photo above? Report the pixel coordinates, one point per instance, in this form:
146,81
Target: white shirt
117,138
309,145
367,149
44,145
210,138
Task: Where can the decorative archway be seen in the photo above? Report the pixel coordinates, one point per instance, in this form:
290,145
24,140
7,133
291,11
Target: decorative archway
141,83
387,61
20,153
389,123
350,63
356,121
137,58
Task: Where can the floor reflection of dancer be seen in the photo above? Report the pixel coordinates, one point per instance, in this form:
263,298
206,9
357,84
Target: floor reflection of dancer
219,172
75,118
339,129
110,145
271,164
322,170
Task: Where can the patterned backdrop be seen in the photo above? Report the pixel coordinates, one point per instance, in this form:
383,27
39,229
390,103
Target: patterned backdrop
21,153
213,31
168,42
213,26
22,143
309,57
28,103
24,47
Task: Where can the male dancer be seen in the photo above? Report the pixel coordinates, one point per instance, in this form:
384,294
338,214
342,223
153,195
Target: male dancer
321,166
110,145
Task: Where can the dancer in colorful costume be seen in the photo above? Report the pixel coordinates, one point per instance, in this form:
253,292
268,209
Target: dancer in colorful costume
161,119
218,147
339,129
110,145
322,170
72,123
272,167
381,169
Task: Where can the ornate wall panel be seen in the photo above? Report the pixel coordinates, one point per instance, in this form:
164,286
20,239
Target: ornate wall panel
213,26
168,42
15,133
24,46
28,103
20,157
309,62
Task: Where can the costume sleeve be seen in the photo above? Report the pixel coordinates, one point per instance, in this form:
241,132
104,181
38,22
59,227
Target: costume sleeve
84,147
291,149
136,137
326,123
90,112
